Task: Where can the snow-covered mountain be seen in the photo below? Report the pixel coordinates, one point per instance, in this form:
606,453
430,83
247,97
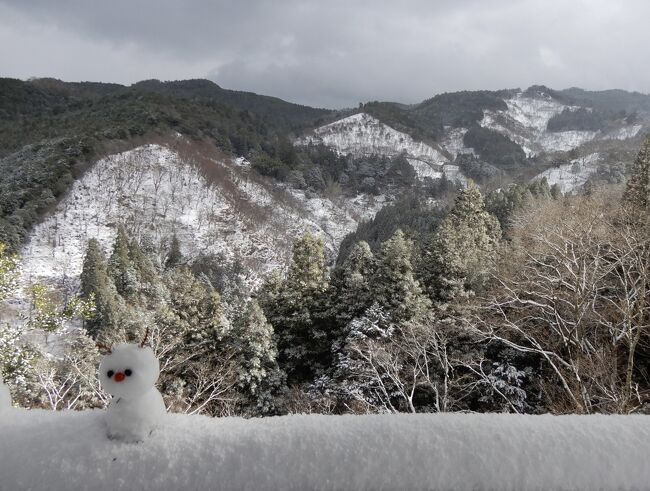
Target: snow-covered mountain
362,135
219,204
526,122
524,119
573,175
216,206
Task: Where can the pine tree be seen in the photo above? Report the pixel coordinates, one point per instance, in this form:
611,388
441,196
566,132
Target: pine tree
93,274
637,190
460,255
395,287
257,368
120,268
174,256
96,285
297,311
8,271
351,285
149,285
307,269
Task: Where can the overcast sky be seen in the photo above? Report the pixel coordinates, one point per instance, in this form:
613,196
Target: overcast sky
333,53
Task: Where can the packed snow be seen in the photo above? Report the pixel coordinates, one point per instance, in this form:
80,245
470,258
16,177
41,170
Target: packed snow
45,450
570,177
363,135
129,373
157,194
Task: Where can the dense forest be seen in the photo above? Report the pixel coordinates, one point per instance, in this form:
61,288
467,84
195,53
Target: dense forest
521,301
509,297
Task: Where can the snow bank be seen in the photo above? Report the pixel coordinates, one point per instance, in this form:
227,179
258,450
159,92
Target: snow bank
63,451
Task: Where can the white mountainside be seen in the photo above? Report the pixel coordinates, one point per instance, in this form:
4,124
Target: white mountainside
223,208
364,135
570,177
526,119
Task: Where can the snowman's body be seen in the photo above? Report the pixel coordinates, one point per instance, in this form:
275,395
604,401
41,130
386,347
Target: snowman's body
129,373
5,396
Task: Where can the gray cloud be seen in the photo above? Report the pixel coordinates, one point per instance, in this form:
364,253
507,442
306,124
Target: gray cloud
334,53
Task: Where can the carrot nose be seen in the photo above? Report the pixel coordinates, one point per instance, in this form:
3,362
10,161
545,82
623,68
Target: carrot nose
119,376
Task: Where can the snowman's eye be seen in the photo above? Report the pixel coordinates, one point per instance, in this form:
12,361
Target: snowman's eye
110,373
128,372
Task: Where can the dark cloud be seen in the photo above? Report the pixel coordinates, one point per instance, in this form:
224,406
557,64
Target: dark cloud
334,53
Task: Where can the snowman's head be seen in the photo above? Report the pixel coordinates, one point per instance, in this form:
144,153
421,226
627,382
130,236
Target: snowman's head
129,370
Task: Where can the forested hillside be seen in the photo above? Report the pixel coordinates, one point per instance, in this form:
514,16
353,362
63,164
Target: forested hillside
496,259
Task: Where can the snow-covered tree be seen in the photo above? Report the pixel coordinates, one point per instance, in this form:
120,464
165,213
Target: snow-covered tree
394,285
174,256
461,254
257,367
120,267
637,191
296,309
8,271
98,286
351,285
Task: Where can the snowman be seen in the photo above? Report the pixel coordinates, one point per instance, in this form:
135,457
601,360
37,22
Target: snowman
5,396
129,373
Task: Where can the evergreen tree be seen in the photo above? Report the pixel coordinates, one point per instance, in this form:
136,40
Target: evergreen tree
149,284
257,367
174,256
8,271
307,270
351,285
395,287
460,255
637,190
96,285
120,268
297,311
93,274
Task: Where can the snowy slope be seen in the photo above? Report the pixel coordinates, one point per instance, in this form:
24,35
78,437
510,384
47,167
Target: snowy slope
155,193
570,177
42,450
364,135
525,122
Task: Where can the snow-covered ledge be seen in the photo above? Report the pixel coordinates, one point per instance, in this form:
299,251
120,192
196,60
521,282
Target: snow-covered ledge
69,450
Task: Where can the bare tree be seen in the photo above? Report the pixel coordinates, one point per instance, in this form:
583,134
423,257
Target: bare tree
573,293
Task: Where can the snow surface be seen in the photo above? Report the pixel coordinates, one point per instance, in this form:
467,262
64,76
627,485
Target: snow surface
363,135
45,450
624,133
570,177
452,141
425,170
156,194
5,400
526,119
525,122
